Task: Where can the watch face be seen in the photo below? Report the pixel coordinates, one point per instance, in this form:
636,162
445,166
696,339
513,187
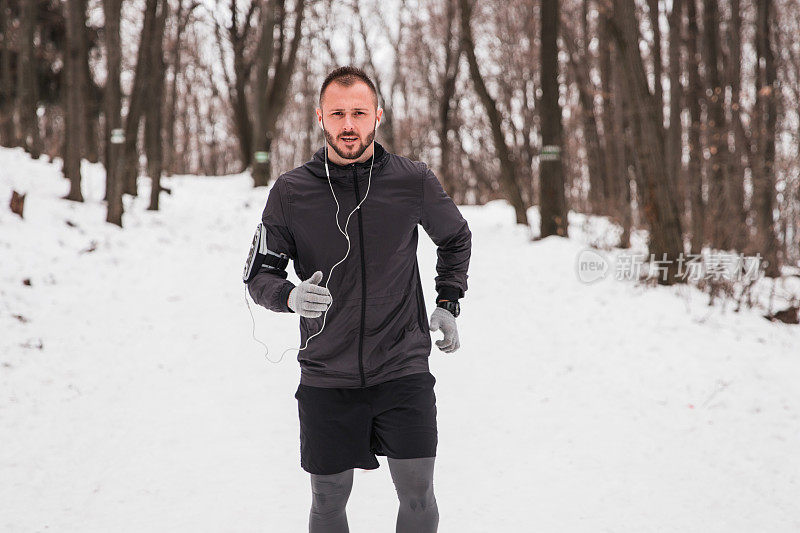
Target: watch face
453,307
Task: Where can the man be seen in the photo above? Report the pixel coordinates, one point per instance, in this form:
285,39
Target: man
365,388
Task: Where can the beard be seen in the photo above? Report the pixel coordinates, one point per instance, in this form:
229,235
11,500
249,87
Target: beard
350,153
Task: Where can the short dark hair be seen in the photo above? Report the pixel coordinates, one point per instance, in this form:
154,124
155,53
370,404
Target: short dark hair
347,76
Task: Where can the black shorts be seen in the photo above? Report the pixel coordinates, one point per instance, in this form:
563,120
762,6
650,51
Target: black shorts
344,428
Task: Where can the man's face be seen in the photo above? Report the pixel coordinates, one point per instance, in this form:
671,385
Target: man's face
348,114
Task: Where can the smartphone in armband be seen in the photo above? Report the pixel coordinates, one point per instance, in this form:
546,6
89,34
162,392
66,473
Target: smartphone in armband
262,257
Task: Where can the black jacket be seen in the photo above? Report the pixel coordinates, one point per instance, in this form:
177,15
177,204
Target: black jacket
377,327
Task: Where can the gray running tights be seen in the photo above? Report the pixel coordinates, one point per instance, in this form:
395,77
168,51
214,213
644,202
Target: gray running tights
413,481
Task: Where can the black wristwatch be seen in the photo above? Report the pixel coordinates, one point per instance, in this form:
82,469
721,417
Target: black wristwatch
453,307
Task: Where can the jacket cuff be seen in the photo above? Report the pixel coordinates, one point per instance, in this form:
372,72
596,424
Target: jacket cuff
449,293
283,296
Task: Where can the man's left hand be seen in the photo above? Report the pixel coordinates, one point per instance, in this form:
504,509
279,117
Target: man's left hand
444,320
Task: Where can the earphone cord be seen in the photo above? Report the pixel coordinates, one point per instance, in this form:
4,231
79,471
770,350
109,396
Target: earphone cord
346,236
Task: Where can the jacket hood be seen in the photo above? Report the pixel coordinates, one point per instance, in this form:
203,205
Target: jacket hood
317,165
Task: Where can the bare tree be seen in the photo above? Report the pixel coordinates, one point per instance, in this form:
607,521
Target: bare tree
92,96
580,64
270,92
621,146
137,99
154,143
238,34
7,134
654,14
658,203
453,47
718,182
738,158
764,132
674,146
182,17
75,115
386,100
553,206
115,162
695,99
27,83
508,177
614,140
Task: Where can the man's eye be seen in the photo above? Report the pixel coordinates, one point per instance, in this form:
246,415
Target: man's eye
359,112
337,113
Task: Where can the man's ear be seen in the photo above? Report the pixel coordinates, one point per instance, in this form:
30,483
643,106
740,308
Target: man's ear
319,118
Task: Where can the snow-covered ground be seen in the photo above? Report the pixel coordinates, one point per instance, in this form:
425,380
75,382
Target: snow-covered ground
133,398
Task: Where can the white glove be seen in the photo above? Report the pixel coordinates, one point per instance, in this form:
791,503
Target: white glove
309,299
444,319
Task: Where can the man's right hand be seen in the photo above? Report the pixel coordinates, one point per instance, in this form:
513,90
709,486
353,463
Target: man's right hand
309,299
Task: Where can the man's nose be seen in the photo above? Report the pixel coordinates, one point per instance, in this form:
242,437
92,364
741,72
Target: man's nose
349,123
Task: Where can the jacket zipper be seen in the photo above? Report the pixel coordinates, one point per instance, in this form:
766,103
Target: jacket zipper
363,285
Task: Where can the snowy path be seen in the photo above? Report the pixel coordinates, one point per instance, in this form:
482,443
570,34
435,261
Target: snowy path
569,407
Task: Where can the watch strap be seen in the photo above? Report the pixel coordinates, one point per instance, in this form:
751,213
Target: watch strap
452,307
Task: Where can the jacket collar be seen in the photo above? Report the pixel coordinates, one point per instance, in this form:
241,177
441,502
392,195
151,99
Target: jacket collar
345,173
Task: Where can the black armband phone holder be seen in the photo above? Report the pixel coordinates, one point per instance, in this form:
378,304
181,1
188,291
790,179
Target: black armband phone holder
262,257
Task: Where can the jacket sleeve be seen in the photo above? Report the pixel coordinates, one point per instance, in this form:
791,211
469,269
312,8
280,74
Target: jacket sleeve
271,289
450,232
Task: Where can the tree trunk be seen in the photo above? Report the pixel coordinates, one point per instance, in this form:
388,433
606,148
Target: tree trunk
264,58
74,111
154,120
694,98
620,147
598,179
115,162
137,100
508,178
27,83
242,121
186,121
674,146
452,48
8,135
718,226
617,187
658,68
199,151
553,205
764,132
657,202
91,149
241,76
180,25
309,89
736,164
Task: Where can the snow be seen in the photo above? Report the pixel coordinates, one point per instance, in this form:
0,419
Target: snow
569,407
